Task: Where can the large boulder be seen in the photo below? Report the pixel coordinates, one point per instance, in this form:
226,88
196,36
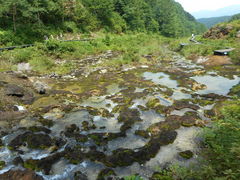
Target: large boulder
14,90
40,87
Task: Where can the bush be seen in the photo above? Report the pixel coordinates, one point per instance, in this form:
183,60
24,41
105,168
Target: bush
41,63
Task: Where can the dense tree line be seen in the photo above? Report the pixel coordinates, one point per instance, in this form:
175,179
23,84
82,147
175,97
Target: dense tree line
38,17
235,17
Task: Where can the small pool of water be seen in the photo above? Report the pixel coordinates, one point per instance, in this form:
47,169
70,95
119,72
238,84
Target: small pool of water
161,79
216,84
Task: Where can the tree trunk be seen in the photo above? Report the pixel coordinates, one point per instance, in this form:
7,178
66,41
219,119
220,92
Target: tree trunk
14,17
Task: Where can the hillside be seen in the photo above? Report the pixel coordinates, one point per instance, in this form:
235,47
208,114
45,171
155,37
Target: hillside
227,11
229,29
210,22
28,21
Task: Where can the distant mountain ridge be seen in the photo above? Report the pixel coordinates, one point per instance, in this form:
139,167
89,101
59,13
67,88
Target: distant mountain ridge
210,22
227,11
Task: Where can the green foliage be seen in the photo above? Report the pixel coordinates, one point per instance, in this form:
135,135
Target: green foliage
42,63
26,21
235,17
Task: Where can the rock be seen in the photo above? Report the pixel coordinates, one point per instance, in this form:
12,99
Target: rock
18,161
14,90
128,117
142,133
44,164
20,175
39,129
186,154
80,176
24,67
212,96
197,86
167,137
217,61
2,164
32,140
11,115
238,34
40,87
106,174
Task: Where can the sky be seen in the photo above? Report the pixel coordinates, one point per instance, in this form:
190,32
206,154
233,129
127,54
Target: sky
198,5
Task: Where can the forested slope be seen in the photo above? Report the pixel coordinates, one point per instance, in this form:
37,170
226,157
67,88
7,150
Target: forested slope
25,21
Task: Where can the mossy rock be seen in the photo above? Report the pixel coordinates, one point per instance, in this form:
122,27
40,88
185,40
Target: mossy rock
80,176
153,103
86,126
105,174
128,117
44,164
2,164
142,133
235,90
39,129
33,141
186,154
209,113
46,122
143,108
120,157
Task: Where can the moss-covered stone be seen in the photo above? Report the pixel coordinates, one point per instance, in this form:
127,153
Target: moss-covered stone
105,174
46,122
142,133
103,138
39,129
44,164
128,117
186,154
86,126
152,103
80,176
235,90
34,141
2,164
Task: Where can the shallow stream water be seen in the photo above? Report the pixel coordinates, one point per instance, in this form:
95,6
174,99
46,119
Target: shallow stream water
152,84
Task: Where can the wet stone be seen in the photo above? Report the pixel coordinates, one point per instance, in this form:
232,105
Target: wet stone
31,140
18,161
80,176
44,164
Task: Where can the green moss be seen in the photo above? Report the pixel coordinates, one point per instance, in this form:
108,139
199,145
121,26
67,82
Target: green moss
186,154
105,173
152,103
2,164
31,164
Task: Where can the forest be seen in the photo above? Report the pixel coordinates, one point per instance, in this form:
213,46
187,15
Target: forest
26,21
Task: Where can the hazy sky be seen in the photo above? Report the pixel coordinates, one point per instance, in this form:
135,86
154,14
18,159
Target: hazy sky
197,5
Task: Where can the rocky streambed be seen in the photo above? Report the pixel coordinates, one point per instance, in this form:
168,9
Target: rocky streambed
112,123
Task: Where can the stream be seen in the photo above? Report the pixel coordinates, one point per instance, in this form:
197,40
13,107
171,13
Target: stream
135,121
